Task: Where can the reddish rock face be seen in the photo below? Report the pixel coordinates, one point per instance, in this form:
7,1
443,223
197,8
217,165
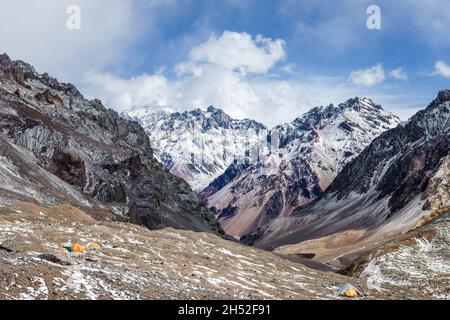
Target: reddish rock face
48,98
69,169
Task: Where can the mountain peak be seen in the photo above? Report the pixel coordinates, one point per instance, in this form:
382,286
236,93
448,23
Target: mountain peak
444,96
16,70
20,71
359,103
435,118
5,61
213,109
441,102
362,105
4,58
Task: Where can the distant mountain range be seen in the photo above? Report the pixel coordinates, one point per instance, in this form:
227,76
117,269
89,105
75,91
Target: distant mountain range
247,195
196,145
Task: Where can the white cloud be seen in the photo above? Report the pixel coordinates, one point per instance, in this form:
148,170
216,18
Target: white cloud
237,52
399,74
442,69
120,93
204,79
230,71
289,68
368,77
36,32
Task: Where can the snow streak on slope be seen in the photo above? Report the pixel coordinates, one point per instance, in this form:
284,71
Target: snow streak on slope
418,261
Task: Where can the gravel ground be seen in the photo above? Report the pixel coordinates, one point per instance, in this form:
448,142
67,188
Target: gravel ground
136,263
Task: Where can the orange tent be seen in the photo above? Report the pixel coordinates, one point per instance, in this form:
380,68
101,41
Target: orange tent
77,248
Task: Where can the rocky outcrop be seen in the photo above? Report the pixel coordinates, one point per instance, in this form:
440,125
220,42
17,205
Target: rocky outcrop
415,262
88,154
49,98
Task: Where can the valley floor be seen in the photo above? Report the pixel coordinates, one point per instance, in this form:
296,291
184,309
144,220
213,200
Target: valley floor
135,263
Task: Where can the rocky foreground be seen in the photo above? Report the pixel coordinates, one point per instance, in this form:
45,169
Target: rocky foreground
136,263
417,262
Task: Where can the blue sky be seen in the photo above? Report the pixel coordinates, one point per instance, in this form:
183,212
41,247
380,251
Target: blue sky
291,54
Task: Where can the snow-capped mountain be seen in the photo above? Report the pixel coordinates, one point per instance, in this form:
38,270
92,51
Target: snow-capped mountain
196,145
311,151
399,182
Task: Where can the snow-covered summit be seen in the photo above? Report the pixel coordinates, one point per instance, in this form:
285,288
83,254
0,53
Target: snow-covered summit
196,145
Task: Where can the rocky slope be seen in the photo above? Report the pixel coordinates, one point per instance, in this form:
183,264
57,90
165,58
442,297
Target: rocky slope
397,183
136,263
418,261
309,154
57,147
196,145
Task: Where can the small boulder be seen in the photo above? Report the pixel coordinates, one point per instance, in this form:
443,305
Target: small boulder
49,98
59,259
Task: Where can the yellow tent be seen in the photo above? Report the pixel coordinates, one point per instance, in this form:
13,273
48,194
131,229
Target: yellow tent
92,246
349,291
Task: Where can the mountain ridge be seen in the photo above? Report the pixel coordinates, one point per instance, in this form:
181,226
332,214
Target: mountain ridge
396,183
196,145
304,148
86,154
312,150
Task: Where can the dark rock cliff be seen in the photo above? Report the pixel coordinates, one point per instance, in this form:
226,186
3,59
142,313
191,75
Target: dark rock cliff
105,158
